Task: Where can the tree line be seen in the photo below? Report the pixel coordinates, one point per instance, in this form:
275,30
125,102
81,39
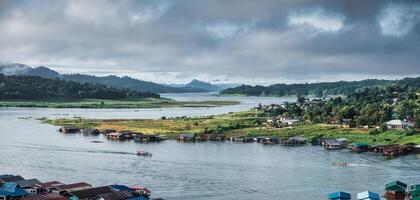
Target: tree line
37,88
315,89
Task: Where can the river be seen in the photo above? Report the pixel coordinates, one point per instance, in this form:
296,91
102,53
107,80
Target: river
205,170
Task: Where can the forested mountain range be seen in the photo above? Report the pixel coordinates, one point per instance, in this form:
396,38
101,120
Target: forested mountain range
38,88
111,81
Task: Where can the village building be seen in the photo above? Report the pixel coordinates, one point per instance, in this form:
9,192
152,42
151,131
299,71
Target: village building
62,189
397,124
11,191
367,195
186,137
44,196
68,129
339,196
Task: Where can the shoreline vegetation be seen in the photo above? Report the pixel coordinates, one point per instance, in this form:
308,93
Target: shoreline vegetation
239,124
106,103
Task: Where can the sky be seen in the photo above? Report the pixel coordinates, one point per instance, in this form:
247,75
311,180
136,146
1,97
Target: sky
222,41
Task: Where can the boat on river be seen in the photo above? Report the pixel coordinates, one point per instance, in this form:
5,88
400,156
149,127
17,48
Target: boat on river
143,153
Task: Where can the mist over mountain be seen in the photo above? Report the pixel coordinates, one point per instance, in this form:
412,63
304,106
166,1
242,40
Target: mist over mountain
111,81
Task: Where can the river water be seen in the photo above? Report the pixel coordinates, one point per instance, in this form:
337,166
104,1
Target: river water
205,170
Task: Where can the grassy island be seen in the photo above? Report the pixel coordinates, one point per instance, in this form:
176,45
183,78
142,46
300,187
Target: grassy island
240,124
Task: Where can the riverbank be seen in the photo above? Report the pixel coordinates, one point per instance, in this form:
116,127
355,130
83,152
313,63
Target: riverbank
101,103
239,124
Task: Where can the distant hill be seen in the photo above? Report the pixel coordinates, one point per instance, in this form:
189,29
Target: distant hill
38,88
211,87
203,85
317,89
111,81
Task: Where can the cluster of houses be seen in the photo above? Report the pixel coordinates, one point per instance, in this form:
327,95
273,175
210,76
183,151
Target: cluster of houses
389,150
395,190
15,187
191,137
113,134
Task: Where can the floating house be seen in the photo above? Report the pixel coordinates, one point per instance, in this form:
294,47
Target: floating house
68,129
30,185
296,140
186,137
90,131
333,144
395,190
212,136
339,196
359,146
113,136
148,138
11,191
63,189
10,178
270,140
44,196
120,195
367,195
87,194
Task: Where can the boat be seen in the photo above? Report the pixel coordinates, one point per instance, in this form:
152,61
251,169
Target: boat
343,164
143,153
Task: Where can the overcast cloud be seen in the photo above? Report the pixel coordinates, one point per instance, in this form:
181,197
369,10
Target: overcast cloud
256,42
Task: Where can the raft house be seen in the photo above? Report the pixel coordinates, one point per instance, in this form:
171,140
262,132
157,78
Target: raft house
69,129
55,190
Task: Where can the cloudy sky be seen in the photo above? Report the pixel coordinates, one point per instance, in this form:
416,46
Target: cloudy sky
242,41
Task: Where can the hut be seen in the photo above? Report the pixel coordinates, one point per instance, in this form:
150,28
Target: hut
63,189
296,140
339,196
186,137
415,192
68,129
367,195
113,136
333,144
11,191
359,146
90,131
258,139
270,140
395,190
213,136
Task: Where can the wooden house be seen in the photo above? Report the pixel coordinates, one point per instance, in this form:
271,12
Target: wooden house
63,189
295,140
113,136
333,144
213,136
359,146
89,193
30,185
270,140
367,195
90,131
186,137
395,190
339,196
69,129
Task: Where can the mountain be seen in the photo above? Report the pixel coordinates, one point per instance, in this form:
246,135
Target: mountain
211,87
111,81
317,89
203,85
38,88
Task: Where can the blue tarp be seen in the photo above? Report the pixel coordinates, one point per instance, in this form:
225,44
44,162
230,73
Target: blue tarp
121,188
10,189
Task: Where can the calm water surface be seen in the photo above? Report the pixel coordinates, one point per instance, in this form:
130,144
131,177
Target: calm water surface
208,170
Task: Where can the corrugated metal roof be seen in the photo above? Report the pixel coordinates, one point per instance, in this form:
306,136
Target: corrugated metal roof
121,195
29,182
92,192
47,196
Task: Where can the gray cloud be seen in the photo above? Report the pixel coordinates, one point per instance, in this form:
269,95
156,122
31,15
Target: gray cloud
244,41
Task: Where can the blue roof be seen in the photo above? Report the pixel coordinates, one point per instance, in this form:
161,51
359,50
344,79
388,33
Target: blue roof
12,190
137,198
339,195
368,195
121,188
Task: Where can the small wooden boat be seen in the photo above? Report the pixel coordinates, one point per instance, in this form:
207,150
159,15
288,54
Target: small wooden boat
143,153
342,164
